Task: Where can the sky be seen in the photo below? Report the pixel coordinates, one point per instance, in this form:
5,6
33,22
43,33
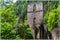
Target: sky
11,0
14,1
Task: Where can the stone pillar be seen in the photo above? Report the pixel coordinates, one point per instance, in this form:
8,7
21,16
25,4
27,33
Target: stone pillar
39,18
39,14
30,17
30,14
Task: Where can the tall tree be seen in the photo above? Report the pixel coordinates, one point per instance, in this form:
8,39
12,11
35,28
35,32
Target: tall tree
21,10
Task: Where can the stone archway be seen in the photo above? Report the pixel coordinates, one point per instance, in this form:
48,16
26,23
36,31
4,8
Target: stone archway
38,15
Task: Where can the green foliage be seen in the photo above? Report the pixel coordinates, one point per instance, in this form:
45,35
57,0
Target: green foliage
58,10
52,18
17,37
9,20
24,31
46,17
20,8
50,5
